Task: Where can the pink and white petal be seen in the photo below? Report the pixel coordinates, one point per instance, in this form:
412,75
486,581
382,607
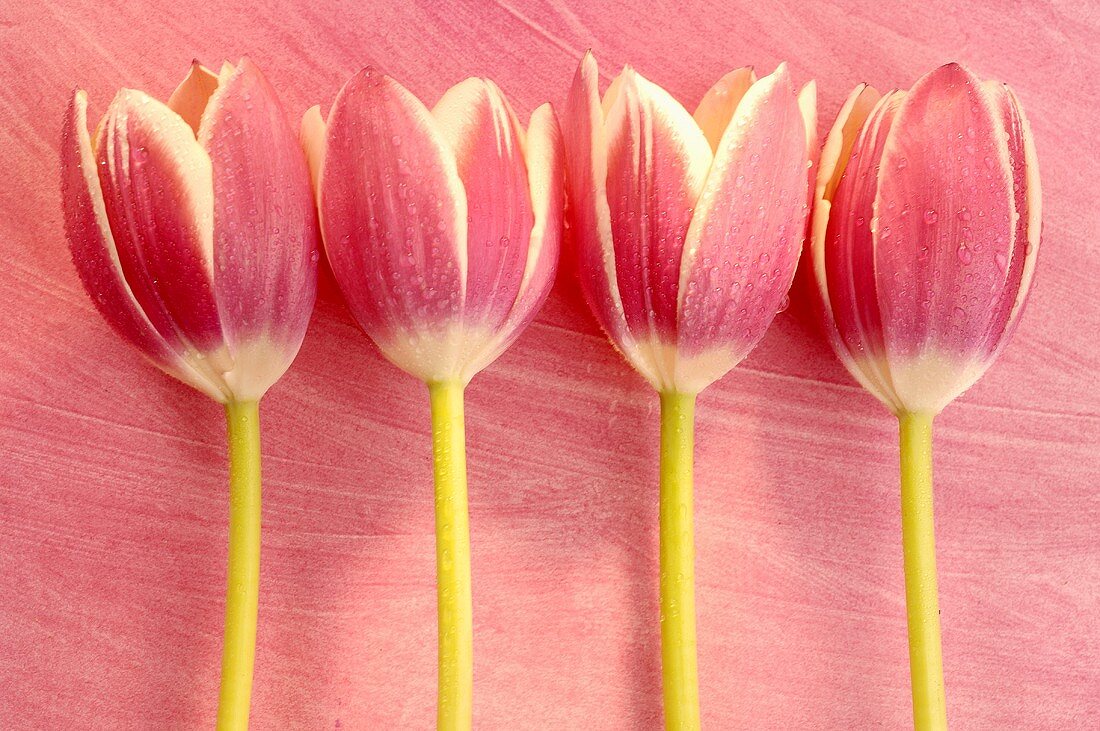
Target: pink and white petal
96,258
312,136
584,139
1028,202
545,172
720,102
265,225
743,245
158,194
487,140
835,156
657,162
848,257
807,105
946,218
834,159
394,213
190,98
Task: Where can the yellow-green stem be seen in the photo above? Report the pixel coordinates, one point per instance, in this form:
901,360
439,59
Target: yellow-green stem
243,582
452,553
678,664
921,593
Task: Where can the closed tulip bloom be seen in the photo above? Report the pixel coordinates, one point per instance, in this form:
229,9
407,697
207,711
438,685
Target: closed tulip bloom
689,229
926,229
193,229
925,232
192,226
442,228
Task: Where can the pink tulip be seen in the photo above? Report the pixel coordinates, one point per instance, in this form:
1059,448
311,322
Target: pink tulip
926,227
192,227
441,227
689,230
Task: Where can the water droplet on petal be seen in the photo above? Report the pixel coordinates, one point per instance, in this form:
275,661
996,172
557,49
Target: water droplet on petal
965,255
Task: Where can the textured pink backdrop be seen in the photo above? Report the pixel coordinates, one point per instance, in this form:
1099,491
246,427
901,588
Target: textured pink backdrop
112,479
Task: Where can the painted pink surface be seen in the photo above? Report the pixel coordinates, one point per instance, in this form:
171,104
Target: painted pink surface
112,485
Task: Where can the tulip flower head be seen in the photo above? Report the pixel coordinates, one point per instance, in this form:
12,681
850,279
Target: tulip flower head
925,233
441,226
689,227
192,227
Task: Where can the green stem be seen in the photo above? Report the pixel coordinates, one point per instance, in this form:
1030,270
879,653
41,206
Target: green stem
452,552
921,592
243,580
678,646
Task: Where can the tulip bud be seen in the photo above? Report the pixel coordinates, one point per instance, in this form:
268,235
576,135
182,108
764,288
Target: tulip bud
193,229
441,226
689,229
925,231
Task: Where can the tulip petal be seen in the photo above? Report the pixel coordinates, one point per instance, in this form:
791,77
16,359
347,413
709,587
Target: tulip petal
95,255
312,136
657,162
835,155
807,105
394,214
849,254
586,152
158,194
1028,202
946,218
480,127
544,163
743,245
587,163
190,98
720,102
265,227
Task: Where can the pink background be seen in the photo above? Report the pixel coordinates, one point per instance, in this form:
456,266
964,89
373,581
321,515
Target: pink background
112,480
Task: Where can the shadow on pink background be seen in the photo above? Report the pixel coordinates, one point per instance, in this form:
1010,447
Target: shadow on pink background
112,481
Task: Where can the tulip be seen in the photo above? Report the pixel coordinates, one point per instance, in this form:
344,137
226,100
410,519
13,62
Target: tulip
193,230
688,233
441,227
925,231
